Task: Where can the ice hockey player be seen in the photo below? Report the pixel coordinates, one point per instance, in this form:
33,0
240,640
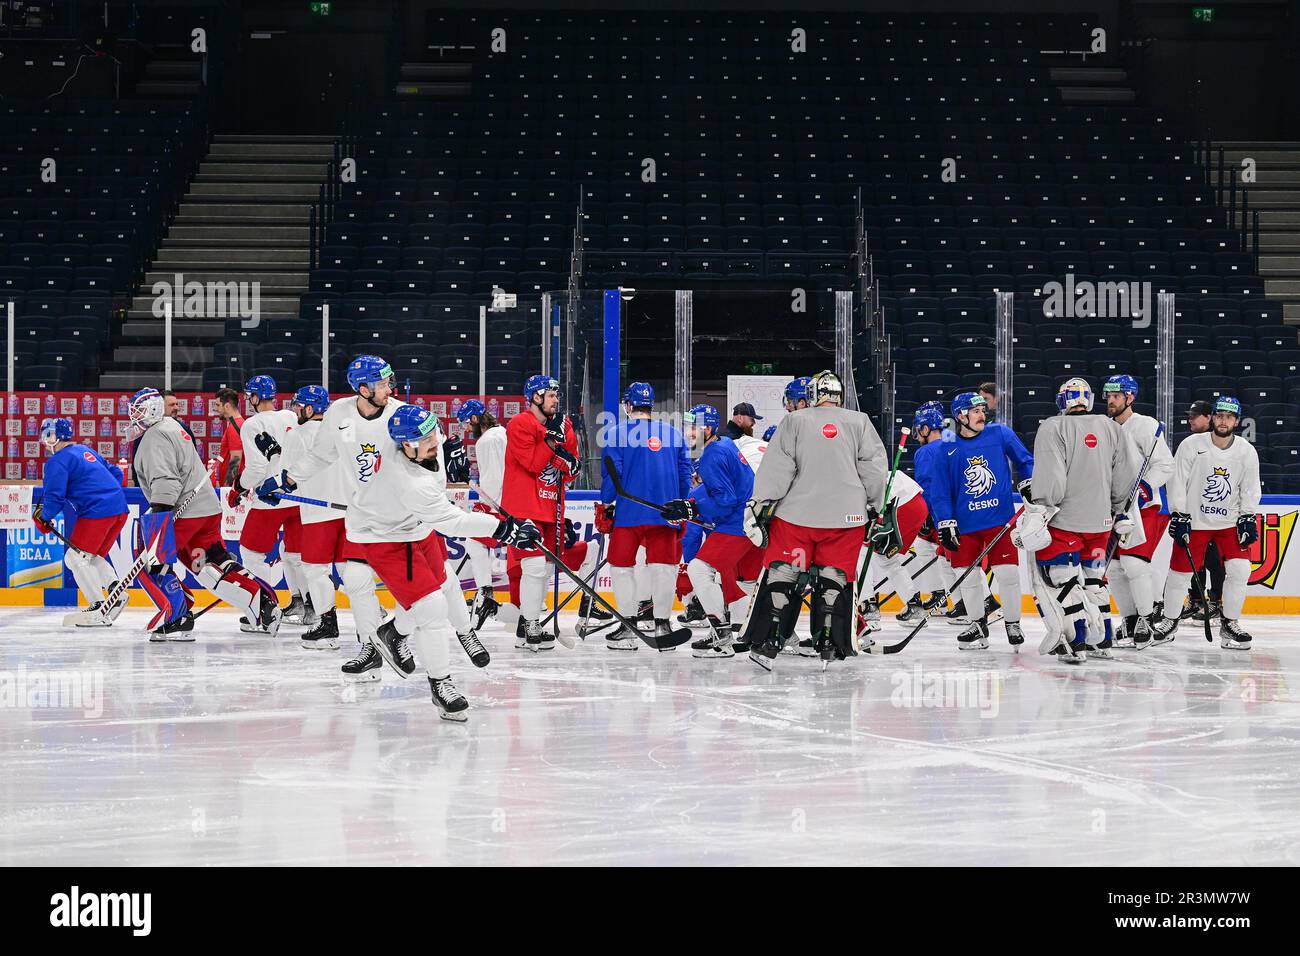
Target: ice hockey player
1084,469
169,468
928,430
541,457
969,486
348,440
78,480
1130,573
727,555
322,536
652,461
1213,496
490,452
812,500
396,517
796,394
1210,576
905,514
263,437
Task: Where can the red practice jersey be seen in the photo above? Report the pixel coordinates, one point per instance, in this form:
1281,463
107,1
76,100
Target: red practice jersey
531,485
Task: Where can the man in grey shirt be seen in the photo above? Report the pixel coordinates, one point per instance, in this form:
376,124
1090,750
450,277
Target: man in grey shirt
822,478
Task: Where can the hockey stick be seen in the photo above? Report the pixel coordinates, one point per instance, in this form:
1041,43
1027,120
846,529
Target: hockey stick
895,648
591,580
925,567
286,496
1200,588
623,493
675,639
1113,544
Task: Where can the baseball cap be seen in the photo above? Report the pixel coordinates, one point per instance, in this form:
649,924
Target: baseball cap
1200,407
745,408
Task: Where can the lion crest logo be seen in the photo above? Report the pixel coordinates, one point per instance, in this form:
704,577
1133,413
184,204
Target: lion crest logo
1218,486
550,475
979,478
367,462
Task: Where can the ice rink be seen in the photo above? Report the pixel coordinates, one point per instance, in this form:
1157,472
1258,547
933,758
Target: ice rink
240,749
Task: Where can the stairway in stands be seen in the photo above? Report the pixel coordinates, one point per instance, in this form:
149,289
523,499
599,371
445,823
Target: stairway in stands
244,219
1276,196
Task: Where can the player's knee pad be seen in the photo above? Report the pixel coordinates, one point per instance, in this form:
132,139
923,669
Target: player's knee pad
77,562
833,614
1236,571
533,568
358,579
428,611
701,574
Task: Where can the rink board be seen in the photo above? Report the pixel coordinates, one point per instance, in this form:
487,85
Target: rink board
30,563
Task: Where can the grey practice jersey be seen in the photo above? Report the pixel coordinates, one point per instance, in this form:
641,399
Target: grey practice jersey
1084,465
824,466
168,467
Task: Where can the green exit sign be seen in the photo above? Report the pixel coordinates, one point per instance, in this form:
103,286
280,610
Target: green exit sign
321,9
1203,14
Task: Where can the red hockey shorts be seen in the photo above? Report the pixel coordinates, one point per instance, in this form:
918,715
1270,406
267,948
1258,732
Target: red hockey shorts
1155,525
262,528
97,535
663,545
409,569
194,536
973,542
1089,545
326,542
1225,539
725,553
805,547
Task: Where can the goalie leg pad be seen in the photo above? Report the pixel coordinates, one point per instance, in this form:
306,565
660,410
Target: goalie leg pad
1058,590
776,606
833,620
165,590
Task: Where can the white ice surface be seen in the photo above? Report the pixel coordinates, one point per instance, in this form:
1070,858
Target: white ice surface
239,749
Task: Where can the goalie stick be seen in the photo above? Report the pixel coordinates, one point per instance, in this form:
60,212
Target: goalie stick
895,648
622,492
675,639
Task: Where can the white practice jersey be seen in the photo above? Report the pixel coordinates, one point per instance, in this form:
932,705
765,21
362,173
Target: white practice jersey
257,467
1216,486
752,450
1141,429
490,451
349,444
324,485
404,501
904,488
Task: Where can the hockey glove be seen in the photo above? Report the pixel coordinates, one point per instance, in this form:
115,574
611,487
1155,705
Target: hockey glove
43,526
567,459
1030,532
605,517
1025,491
266,444
555,429
453,451
269,490
680,509
758,515
1123,527
949,536
1180,527
1247,531
235,495
570,533
523,535
1145,494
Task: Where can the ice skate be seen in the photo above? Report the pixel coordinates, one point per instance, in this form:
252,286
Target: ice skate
764,655
1142,632
521,634
1232,636
451,703
1015,636
663,631
393,649
179,631
975,637
1162,632
915,611
1124,639
485,606
1101,650
366,666
936,605
694,615
717,643
622,640
325,635
956,616
805,648
536,639
93,616
474,648
294,611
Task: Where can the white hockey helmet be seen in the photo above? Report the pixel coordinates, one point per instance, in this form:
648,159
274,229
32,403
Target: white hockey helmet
825,386
147,408
1075,393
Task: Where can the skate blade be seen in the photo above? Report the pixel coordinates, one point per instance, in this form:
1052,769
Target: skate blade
980,645
324,644
623,645
182,638
761,660
390,661
459,717
366,677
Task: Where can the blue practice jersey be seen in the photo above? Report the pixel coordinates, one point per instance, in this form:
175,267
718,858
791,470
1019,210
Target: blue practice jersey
78,478
729,482
969,479
653,463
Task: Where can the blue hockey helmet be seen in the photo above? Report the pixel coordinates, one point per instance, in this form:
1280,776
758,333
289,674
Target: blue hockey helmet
767,435
639,395
469,408
1074,393
966,401
1121,383
55,430
368,370
928,415
1227,404
411,423
314,396
705,415
260,387
797,391
539,383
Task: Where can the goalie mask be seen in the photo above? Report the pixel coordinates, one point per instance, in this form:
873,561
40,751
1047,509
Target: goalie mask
826,388
1075,393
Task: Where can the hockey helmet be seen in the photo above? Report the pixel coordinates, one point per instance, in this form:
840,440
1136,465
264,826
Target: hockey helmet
368,370
1121,383
825,386
965,401
147,408
929,415
468,409
314,397
1075,393
410,423
705,415
539,383
260,387
55,430
639,395
797,391
1227,404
